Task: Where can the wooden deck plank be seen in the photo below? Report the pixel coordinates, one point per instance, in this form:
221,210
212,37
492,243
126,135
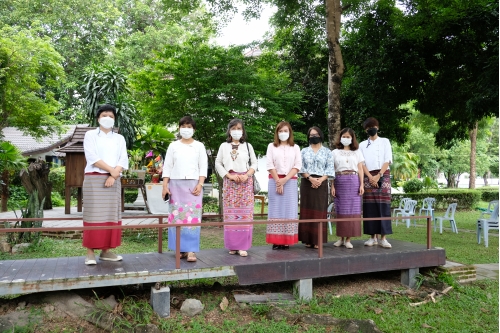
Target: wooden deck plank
263,265
13,270
37,270
61,268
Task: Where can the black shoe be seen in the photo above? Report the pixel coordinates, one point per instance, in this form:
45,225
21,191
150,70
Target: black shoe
285,247
276,247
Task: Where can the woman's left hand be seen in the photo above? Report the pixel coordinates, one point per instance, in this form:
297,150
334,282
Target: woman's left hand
109,182
316,182
197,190
361,190
243,178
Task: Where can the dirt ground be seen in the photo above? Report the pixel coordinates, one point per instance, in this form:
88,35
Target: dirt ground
55,320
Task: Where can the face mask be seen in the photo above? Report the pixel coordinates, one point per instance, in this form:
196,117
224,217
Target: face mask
106,122
186,133
283,136
372,131
236,134
314,140
345,141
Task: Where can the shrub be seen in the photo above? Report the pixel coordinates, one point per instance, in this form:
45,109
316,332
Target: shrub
57,178
131,195
57,199
413,186
466,199
17,196
210,204
489,195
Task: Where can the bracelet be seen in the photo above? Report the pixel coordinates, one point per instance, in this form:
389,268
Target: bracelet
200,184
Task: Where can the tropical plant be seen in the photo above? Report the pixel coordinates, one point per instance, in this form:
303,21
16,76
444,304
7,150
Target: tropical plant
405,164
429,184
11,160
156,138
107,84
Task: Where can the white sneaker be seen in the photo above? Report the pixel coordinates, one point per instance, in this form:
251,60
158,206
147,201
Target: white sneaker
385,243
348,245
338,243
371,242
90,260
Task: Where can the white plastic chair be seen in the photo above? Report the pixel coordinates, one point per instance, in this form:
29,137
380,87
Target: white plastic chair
491,207
400,208
427,207
486,224
328,216
448,216
408,210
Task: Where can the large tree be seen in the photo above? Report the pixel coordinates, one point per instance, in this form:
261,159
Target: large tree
29,69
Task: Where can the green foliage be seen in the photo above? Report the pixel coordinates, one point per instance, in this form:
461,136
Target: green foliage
57,178
34,209
17,196
156,138
413,186
29,69
131,195
108,84
429,183
214,85
210,204
489,195
57,199
466,199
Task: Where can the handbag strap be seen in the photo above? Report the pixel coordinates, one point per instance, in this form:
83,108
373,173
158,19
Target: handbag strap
248,156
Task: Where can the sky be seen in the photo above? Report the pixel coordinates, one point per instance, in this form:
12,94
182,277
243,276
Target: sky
239,31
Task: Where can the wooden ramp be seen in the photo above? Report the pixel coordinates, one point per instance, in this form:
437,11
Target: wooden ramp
262,265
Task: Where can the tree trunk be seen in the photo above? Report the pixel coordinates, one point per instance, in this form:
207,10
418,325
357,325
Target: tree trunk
335,68
5,189
486,176
473,142
36,177
451,178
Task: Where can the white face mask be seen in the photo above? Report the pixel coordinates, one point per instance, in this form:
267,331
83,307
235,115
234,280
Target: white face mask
186,133
236,134
107,122
283,136
345,141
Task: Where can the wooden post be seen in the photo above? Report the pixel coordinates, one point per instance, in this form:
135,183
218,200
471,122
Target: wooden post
428,233
160,235
178,247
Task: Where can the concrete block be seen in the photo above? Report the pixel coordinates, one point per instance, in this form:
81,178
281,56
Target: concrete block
304,289
408,277
160,301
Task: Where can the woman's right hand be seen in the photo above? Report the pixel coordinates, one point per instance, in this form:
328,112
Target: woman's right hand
333,191
165,191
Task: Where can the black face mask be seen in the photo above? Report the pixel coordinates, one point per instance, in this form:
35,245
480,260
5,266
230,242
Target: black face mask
314,140
372,131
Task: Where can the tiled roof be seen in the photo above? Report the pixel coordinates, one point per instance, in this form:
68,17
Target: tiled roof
30,146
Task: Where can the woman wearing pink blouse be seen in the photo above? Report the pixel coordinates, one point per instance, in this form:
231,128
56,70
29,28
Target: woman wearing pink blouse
283,163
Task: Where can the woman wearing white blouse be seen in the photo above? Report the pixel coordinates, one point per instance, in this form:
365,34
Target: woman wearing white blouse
377,152
106,155
347,187
236,163
184,172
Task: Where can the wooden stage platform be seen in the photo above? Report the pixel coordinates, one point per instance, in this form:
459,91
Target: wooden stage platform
263,265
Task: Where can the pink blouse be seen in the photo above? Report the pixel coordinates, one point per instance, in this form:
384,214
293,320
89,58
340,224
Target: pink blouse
283,158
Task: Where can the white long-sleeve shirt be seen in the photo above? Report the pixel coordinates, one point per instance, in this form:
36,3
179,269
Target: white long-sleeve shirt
224,163
376,153
110,148
185,161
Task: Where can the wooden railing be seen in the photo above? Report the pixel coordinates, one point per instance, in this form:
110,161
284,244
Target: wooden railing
160,226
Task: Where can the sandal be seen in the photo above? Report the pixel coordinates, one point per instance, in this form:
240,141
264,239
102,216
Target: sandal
316,247
184,255
243,253
233,252
191,257
308,245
